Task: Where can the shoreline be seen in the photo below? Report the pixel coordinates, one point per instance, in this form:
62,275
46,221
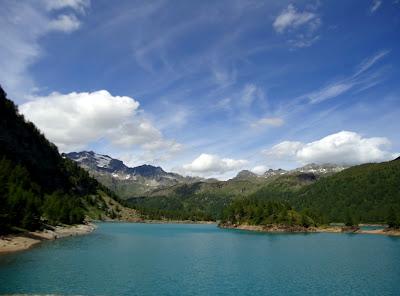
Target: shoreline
300,229
24,241
175,222
150,221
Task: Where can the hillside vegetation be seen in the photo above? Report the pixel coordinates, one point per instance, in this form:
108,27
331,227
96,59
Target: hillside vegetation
38,186
208,200
368,193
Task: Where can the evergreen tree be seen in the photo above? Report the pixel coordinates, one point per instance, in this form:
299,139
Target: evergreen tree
392,219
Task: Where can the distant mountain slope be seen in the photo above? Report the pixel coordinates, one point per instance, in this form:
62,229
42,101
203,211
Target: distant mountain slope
207,200
126,181
36,184
317,169
365,193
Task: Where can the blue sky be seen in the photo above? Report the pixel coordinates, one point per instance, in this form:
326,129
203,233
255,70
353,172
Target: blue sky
208,87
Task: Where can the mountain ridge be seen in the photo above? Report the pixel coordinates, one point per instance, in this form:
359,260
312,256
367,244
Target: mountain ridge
317,169
127,181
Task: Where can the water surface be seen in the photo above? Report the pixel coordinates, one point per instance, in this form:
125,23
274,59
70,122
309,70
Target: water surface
178,259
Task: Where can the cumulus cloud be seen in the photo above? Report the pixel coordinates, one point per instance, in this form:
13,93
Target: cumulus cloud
285,149
209,163
259,169
269,121
74,120
300,25
344,147
77,5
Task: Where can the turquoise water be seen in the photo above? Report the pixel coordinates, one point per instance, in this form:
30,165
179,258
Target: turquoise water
176,259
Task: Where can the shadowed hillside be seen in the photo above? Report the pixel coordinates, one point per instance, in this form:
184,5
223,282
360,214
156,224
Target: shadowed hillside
38,186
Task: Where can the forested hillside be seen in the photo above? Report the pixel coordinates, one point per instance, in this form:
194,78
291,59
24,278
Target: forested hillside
37,185
208,200
365,193
368,193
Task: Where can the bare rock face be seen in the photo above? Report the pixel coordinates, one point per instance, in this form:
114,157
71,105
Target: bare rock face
112,171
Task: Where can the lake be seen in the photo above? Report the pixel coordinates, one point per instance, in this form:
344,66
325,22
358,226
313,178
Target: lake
181,259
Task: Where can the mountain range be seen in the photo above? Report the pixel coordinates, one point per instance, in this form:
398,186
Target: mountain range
147,179
126,181
312,168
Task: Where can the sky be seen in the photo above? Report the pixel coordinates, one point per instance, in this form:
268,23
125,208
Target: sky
208,88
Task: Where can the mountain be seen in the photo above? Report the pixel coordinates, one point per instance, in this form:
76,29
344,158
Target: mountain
205,200
316,169
321,169
126,181
245,175
271,173
101,163
319,193
37,185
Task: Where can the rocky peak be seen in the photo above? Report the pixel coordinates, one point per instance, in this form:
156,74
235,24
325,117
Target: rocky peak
245,174
272,172
321,168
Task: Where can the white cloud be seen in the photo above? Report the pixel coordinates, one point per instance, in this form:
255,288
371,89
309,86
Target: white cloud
285,149
250,94
74,120
370,61
77,5
270,121
65,23
375,5
22,25
301,26
209,163
330,91
360,78
303,40
344,147
259,169
291,18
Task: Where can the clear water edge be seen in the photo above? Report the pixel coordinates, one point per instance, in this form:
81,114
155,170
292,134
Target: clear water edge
182,259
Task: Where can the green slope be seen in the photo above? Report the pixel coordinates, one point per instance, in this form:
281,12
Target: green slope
207,200
37,185
367,192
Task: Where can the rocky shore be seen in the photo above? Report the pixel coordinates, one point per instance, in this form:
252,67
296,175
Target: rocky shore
301,229
23,241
